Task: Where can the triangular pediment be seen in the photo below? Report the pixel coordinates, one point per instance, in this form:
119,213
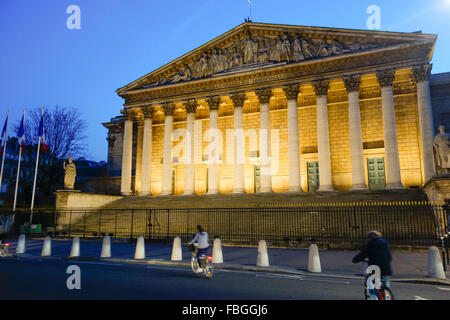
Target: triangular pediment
253,46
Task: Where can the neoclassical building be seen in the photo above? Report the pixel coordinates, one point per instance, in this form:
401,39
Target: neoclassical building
277,108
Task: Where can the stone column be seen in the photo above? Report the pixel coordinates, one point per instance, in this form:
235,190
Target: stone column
213,155
393,176
264,96
127,153
323,136
293,141
239,143
356,144
146,180
421,77
169,109
189,171
139,119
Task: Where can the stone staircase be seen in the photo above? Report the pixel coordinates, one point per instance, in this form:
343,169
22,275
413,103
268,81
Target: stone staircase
257,200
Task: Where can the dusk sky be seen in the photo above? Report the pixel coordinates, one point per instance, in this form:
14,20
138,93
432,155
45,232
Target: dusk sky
43,63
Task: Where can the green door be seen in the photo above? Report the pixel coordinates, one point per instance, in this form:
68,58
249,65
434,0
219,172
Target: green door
257,178
377,176
313,176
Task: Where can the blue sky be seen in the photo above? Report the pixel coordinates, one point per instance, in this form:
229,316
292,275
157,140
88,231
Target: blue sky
43,63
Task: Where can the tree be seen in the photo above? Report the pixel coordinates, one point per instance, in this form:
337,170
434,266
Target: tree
65,135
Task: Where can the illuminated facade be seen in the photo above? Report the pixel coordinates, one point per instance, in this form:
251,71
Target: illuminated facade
276,108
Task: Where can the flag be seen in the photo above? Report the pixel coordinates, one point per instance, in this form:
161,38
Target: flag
21,131
4,138
41,133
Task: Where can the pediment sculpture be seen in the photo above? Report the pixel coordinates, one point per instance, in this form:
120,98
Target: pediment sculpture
252,50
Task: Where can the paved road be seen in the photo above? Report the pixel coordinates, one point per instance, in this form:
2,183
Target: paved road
45,278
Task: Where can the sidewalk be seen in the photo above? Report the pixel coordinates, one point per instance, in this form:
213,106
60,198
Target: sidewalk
407,266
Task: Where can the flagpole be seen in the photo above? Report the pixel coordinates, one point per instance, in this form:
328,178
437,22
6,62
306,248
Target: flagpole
35,175
18,173
4,150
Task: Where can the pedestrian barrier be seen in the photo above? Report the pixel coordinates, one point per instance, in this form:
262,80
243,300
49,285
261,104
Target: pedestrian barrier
262,259
217,256
47,247
177,254
21,244
75,251
140,248
314,259
106,247
435,266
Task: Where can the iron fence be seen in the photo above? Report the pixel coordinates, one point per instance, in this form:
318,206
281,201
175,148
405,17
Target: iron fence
402,223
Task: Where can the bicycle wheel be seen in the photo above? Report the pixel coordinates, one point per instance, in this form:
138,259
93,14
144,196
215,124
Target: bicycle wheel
208,269
194,265
388,295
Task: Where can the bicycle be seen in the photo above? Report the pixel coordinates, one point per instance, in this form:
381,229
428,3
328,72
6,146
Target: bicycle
4,249
205,267
383,293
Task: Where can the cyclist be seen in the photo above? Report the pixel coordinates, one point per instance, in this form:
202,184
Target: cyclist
202,240
378,253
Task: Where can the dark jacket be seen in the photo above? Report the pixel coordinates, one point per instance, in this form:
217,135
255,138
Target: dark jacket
377,250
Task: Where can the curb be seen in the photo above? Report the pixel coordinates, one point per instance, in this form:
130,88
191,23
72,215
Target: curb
429,281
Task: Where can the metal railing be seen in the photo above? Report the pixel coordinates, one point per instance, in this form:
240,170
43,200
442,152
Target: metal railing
402,223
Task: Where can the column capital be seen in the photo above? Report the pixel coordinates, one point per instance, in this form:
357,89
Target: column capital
238,99
321,87
138,118
127,114
352,83
386,78
421,73
213,102
191,105
292,91
148,111
169,108
264,95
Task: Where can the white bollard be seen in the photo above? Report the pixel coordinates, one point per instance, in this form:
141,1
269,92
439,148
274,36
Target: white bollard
435,266
263,258
217,256
177,254
106,247
313,259
47,247
75,251
21,244
140,248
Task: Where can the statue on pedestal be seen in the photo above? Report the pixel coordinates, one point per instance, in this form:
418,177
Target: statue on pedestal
70,172
441,150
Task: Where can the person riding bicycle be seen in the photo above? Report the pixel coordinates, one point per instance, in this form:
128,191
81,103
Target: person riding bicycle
378,253
202,240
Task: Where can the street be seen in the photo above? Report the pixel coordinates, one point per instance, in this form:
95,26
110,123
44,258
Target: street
45,278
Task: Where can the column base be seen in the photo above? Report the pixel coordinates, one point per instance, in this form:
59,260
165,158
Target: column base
144,194
395,185
294,189
166,193
126,194
325,188
268,190
213,192
238,191
187,194
359,187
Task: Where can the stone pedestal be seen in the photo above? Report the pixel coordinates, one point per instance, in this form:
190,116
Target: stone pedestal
438,188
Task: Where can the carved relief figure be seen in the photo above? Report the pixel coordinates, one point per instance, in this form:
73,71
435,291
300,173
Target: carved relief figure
284,47
70,172
249,50
297,52
202,66
181,75
441,148
308,49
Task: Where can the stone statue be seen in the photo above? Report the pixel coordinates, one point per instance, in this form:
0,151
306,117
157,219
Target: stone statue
297,52
284,47
70,172
441,148
249,50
